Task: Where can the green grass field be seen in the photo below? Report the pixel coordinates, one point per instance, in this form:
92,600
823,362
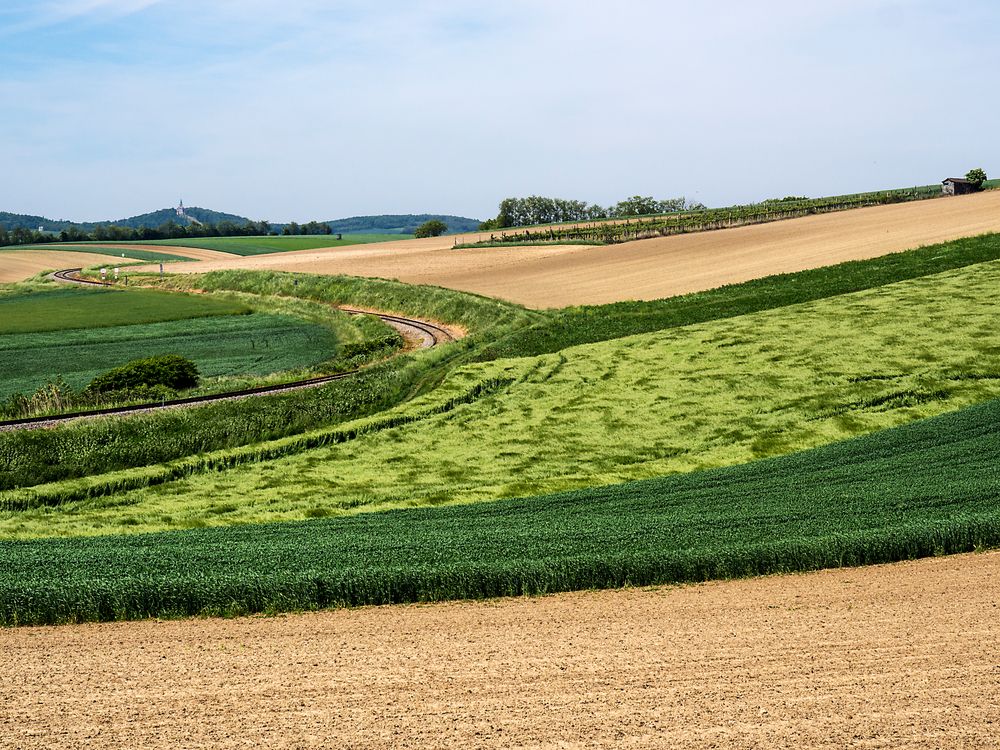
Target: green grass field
829,417
263,245
713,394
925,489
84,448
118,444
35,309
221,346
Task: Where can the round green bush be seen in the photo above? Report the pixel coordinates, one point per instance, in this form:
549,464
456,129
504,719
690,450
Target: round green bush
169,370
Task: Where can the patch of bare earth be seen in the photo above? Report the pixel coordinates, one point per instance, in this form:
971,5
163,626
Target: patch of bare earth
900,656
556,276
196,253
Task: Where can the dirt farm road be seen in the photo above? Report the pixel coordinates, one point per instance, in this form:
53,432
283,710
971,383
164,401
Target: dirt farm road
899,656
556,276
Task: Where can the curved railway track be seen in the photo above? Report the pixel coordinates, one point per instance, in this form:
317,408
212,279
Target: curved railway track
428,334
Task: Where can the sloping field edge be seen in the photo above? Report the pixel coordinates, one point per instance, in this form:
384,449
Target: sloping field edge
927,488
589,324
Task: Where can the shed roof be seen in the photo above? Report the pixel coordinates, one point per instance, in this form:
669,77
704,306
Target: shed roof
956,180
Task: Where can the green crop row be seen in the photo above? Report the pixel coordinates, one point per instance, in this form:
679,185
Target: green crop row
924,489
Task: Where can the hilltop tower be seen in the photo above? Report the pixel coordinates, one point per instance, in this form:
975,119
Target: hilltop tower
180,209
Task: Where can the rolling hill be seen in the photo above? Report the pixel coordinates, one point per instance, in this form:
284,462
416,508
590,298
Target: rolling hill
400,223
374,224
152,219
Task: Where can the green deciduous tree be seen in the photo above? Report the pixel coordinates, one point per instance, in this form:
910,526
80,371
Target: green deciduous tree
432,228
977,177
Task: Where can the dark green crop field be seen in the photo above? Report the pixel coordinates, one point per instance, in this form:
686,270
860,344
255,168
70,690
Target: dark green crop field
32,310
228,345
928,488
263,245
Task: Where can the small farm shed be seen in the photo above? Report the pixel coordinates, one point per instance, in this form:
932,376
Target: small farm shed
957,186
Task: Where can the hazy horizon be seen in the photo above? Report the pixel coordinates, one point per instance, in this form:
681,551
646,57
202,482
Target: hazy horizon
307,110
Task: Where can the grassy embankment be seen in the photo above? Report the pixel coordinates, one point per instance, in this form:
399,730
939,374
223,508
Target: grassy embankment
94,447
592,323
77,333
711,394
924,489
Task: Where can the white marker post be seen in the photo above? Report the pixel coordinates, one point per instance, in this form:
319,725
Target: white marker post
116,273
104,275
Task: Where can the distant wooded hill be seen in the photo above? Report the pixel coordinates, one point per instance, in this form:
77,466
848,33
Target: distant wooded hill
381,224
399,223
151,220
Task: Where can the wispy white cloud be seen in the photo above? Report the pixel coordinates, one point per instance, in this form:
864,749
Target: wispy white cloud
299,109
27,17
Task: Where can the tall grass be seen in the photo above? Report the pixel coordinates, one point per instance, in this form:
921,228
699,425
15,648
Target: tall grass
85,448
925,489
475,313
708,395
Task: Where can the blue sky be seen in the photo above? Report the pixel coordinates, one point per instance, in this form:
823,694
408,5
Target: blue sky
302,109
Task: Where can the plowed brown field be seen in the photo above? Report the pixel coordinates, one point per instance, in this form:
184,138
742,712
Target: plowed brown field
563,275
197,253
900,656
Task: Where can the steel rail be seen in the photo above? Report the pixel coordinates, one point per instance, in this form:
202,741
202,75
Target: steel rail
436,335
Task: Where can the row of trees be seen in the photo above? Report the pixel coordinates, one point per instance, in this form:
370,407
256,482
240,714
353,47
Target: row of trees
170,230
22,236
536,209
312,227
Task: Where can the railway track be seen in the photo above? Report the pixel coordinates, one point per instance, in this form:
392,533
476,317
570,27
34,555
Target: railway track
424,333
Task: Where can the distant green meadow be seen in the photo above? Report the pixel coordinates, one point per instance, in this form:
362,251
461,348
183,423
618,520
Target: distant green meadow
34,310
221,346
264,245
76,333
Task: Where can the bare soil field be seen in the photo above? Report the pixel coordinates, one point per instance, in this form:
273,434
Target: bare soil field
556,276
18,265
898,656
196,253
